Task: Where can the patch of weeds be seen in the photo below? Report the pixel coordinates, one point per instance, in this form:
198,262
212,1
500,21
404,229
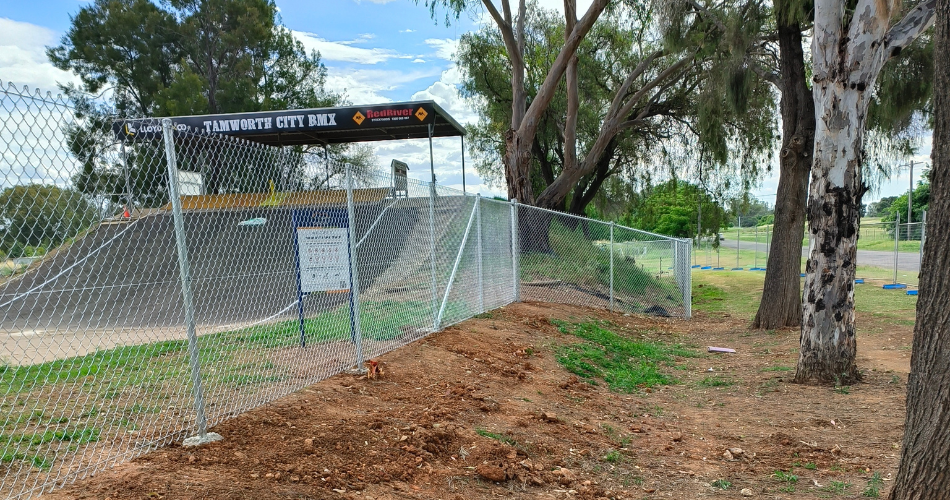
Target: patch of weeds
843,389
873,488
637,480
837,487
722,484
717,381
769,385
625,365
485,315
615,436
497,437
788,478
613,456
895,379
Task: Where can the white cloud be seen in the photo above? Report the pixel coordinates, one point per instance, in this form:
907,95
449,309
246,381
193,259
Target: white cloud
407,31
445,48
445,93
344,51
365,86
446,151
418,60
23,56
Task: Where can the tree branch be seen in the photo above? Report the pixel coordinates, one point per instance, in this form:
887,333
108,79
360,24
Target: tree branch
909,28
766,75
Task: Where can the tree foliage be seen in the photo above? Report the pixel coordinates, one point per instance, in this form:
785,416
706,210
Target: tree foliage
672,208
187,57
686,106
38,215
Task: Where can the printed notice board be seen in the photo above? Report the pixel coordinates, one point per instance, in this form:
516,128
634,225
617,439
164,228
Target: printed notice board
323,250
324,255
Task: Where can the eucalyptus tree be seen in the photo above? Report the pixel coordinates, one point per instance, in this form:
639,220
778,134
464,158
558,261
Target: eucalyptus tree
902,95
851,43
922,474
652,81
525,118
185,57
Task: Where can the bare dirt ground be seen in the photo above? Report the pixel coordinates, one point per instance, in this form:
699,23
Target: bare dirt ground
484,410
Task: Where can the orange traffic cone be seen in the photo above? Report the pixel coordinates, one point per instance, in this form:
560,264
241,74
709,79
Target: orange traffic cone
126,214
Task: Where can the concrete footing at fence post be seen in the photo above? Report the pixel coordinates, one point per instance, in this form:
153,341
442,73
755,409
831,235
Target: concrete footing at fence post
208,437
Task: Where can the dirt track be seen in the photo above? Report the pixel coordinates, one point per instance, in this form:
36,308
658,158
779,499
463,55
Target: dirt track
483,410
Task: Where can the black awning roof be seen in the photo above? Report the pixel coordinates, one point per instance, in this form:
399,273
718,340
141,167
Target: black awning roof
382,122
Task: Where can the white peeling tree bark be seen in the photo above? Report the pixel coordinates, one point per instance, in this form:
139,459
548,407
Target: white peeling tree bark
848,53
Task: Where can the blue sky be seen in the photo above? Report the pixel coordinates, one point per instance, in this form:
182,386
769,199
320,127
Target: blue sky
375,51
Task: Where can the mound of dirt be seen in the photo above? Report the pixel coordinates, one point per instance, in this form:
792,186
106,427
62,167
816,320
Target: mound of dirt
484,410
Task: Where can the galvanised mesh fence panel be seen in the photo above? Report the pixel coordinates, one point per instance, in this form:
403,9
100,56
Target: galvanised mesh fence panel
90,299
571,259
156,285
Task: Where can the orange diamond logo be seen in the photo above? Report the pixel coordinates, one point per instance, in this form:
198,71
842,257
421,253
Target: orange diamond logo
358,118
421,114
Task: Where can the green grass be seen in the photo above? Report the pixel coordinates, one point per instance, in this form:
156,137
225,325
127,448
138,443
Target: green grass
166,360
613,456
232,361
497,437
722,484
738,293
75,436
624,365
837,487
575,258
777,369
717,381
788,478
873,488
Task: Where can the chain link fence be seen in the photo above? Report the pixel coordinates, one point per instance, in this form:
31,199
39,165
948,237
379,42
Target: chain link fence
887,252
153,288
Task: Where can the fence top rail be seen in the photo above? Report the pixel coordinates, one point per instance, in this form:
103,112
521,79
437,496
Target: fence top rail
10,88
617,226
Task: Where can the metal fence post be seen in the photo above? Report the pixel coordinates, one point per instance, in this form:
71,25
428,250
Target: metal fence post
356,333
611,266
755,252
515,251
684,277
185,269
923,238
738,236
897,235
435,291
478,246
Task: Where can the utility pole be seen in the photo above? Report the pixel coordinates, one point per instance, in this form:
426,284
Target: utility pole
910,200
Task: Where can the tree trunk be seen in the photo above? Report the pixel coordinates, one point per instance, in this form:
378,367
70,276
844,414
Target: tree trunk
518,167
847,54
828,345
923,472
781,304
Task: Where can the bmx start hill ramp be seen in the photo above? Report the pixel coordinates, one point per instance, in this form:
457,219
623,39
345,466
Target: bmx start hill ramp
120,283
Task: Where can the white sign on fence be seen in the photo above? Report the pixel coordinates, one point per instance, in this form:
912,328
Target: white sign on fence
324,259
